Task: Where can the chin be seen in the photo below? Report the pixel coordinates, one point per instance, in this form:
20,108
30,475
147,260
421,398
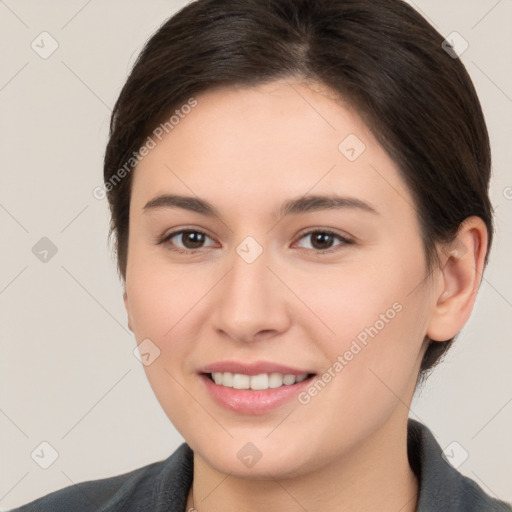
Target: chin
258,460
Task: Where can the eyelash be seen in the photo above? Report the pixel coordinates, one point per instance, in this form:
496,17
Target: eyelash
346,241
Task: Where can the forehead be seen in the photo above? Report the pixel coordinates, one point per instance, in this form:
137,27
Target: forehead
284,138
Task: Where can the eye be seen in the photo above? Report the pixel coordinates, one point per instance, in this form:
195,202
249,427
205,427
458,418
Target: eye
322,240
191,240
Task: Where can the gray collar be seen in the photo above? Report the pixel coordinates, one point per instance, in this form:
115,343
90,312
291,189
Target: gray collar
442,487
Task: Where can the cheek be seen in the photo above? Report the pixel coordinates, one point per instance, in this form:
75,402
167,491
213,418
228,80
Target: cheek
363,300
159,296
161,304
371,361
375,318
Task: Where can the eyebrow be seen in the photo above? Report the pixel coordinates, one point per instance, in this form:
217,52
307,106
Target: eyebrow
303,204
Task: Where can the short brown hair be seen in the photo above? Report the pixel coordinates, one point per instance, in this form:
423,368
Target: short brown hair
381,56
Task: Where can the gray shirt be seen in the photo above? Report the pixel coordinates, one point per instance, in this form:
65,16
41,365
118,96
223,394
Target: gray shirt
163,486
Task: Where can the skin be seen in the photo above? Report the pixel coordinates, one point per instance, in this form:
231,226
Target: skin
246,151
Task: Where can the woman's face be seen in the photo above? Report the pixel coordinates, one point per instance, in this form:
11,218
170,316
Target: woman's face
256,288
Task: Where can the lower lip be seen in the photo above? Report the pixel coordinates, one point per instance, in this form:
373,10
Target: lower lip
246,401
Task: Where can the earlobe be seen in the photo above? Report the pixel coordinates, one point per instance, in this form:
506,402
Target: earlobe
126,307
462,266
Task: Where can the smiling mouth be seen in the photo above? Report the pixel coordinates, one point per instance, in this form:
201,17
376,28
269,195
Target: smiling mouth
260,382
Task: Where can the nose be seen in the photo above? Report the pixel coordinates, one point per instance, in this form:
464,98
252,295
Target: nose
251,303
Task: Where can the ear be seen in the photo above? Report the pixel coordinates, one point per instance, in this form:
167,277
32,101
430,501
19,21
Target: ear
462,265
126,306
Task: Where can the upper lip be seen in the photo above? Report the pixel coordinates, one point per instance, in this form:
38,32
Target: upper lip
255,368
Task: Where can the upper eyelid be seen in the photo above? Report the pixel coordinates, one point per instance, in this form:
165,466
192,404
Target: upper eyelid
172,234
330,231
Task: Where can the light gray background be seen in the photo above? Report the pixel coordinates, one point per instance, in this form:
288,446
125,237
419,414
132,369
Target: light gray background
67,369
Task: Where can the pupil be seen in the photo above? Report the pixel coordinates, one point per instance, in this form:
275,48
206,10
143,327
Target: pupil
193,239
322,238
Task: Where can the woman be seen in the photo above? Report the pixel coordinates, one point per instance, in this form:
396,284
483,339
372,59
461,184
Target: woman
299,198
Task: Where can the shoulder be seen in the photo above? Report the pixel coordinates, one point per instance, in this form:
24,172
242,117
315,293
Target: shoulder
154,487
441,486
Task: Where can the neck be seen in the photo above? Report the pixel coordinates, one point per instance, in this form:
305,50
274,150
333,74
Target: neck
375,476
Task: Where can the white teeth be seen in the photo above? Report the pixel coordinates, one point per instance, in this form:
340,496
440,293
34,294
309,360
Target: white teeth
240,381
275,380
227,379
288,379
256,382
259,381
